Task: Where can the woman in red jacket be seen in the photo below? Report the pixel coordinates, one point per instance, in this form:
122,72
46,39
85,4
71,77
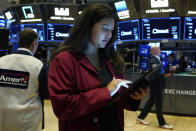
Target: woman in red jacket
84,75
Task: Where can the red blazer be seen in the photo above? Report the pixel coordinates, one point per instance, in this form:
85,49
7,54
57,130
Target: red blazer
76,93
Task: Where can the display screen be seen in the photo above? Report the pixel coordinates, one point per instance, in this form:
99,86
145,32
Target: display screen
161,28
122,11
11,16
144,50
190,28
143,64
163,55
14,33
58,32
39,28
128,30
2,23
160,8
61,13
164,62
29,13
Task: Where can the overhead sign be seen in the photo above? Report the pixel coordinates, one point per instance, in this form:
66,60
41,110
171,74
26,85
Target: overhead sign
159,3
190,10
61,13
29,13
122,11
2,22
160,11
128,30
160,8
58,32
125,10
190,28
8,15
157,29
11,16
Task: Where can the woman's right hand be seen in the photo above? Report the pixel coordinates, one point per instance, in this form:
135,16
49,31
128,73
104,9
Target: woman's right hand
113,84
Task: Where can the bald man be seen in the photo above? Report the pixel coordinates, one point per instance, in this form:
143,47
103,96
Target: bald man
157,84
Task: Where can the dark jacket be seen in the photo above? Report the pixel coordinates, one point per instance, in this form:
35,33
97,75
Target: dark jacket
157,79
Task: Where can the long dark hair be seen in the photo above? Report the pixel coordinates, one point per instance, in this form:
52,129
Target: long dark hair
80,34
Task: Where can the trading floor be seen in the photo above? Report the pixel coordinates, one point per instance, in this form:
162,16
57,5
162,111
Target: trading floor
180,123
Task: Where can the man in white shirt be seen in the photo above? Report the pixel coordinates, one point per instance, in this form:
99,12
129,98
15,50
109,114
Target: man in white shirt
23,86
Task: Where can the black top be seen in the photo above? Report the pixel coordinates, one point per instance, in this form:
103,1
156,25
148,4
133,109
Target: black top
109,120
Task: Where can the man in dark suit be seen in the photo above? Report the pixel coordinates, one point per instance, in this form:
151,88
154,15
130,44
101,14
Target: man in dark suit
157,84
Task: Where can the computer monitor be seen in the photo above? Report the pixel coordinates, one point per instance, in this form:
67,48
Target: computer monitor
144,50
2,23
165,63
163,55
37,27
161,28
14,33
58,32
128,30
189,28
143,64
